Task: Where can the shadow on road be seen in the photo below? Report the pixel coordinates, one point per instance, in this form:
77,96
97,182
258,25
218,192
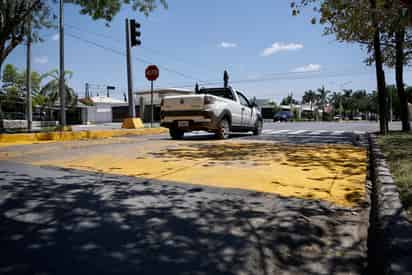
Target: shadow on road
104,224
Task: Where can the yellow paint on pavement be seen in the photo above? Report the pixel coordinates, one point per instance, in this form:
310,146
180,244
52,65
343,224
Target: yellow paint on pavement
19,139
335,174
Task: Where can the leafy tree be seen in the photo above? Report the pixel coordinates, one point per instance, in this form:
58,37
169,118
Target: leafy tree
13,92
15,16
360,22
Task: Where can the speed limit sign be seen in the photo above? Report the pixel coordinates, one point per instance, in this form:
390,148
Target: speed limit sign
152,72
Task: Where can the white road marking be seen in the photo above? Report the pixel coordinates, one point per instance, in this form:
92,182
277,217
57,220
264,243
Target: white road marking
318,132
337,133
280,132
311,132
297,132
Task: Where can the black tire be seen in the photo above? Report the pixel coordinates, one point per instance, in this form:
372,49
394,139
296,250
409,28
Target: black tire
176,133
224,129
258,128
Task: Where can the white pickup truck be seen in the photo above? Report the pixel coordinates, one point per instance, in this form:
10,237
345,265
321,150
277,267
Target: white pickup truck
216,110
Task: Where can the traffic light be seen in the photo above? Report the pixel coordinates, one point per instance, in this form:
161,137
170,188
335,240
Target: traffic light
135,33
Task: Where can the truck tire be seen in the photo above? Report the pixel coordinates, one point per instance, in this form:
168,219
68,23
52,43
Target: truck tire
176,133
224,129
258,128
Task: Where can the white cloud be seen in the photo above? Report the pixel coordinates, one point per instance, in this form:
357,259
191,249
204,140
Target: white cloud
55,37
307,68
281,47
227,45
41,59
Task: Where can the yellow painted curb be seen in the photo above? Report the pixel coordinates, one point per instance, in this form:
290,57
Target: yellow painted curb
15,139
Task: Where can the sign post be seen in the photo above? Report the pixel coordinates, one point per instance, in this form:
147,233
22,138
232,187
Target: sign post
152,73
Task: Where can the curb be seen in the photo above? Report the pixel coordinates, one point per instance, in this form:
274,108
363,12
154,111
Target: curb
392,232
16,139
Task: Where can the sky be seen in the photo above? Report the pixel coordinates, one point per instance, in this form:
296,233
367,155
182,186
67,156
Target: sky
268,52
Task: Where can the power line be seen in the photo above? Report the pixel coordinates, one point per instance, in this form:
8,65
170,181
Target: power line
266,78
144,61
281,76
111,38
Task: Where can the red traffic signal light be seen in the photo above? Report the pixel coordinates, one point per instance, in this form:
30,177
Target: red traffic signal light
135,33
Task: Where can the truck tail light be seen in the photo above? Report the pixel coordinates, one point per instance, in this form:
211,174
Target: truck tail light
208,100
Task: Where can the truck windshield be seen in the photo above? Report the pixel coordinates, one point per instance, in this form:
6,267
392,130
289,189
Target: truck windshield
220,92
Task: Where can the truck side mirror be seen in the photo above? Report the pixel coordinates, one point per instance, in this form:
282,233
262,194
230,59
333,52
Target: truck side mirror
253,102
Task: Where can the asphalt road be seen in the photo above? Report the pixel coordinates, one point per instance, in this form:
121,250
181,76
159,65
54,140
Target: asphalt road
67,221
345,126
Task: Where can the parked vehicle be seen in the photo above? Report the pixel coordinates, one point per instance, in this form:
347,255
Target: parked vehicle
357,117
283,116
216,110
337,117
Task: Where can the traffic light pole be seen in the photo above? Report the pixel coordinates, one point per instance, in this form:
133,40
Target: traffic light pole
29,108
132,111
62,92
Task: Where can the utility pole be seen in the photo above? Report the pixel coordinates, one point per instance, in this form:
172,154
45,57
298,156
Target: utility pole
62,93
132,111
29,110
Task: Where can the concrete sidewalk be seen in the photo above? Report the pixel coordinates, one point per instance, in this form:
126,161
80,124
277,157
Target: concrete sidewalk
106,126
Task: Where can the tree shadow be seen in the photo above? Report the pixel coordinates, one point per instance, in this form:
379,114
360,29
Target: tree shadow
84,223
333,158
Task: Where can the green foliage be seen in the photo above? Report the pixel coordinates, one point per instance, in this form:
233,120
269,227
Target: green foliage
13,90
108,9
16,16
289,100
51,89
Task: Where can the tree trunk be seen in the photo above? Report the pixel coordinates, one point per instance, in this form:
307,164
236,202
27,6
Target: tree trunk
380,74
400,57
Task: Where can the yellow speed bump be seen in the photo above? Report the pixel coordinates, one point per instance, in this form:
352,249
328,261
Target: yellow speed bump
335,174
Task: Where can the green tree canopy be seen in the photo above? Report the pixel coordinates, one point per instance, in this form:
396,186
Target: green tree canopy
15,16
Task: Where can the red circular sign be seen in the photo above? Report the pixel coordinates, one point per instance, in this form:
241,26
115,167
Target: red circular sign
152,72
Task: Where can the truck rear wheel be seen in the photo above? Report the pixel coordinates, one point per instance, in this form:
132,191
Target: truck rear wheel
224,129
176,133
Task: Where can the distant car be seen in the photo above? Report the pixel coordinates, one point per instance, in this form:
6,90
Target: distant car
337,117
358,117
283,116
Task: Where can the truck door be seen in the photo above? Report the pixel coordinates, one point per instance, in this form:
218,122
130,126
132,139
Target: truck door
246,111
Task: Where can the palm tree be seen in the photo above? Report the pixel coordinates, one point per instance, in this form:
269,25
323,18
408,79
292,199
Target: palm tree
336,100
310,97
323,99
50,91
